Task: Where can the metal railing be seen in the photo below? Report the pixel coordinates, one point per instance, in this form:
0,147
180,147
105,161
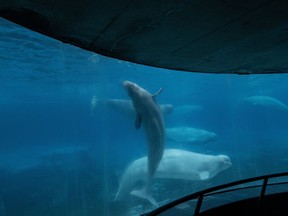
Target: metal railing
215,190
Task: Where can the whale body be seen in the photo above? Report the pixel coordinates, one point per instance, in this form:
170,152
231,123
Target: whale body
190,135
187,109
124,107
267,101
175,164
148,114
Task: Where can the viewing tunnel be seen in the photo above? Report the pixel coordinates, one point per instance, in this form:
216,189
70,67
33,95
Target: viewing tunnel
206,134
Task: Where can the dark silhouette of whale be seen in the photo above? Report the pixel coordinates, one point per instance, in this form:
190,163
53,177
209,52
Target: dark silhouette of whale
148,113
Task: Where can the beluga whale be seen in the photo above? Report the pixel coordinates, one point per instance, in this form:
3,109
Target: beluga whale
175,164
148,114
267,101
190,135
124,107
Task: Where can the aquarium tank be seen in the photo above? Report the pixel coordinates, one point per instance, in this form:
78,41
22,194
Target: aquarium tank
75,138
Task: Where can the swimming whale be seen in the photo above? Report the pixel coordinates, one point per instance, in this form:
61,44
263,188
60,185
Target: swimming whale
187,109
148,113
190,135
267,101
175,164
124,107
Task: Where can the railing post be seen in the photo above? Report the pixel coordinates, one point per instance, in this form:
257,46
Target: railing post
198,205
263,190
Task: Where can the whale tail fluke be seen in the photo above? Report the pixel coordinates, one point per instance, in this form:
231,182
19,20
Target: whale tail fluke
144,195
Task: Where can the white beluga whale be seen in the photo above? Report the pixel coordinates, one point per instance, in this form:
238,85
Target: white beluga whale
175,164
124,107
190,135
267,101
149,114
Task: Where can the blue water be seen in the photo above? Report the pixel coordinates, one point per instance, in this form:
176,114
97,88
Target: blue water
56,158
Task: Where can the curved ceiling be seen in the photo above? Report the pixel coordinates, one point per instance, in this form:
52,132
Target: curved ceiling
212,36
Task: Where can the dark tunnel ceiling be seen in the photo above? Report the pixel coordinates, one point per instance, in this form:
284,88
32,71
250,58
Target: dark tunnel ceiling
212,36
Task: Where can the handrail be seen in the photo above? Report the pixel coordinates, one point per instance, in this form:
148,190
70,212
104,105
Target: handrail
242,188
201,194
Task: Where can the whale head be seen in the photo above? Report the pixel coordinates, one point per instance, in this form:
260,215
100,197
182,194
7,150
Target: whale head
134,90
225,162
128,84
131,88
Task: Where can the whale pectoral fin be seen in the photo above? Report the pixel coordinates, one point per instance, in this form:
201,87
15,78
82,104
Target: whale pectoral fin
138,121
155,94
204,175
142,194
